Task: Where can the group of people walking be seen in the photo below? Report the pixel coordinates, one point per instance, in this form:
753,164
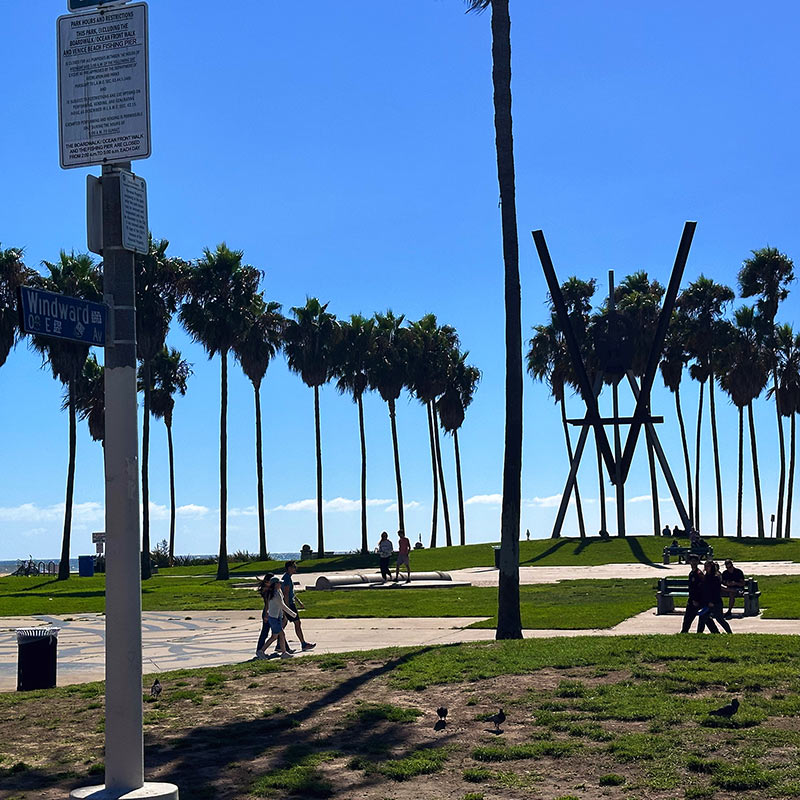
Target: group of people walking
386,549
706,589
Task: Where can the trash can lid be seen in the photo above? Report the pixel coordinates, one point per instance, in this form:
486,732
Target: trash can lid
36,633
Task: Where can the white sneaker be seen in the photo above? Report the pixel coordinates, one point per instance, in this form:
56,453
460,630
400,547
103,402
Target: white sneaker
260,654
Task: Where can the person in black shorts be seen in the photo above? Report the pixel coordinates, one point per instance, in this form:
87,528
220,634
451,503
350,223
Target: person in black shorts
696,596
732,583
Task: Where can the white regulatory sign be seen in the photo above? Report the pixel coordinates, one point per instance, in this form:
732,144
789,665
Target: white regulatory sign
133,200
103,86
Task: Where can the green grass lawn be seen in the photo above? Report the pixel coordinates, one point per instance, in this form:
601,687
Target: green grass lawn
539,552
574,605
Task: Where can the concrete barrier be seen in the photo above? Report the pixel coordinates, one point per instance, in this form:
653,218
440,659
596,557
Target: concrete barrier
367,580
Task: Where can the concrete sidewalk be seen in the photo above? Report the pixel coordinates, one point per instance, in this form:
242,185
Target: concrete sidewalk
185,640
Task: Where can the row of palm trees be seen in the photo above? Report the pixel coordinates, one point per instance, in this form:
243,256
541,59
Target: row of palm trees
745,355
218,302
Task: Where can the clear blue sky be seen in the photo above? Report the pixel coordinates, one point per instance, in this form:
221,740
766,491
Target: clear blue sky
348,149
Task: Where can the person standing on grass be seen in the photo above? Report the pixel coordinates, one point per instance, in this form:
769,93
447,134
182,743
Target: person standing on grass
292,602
385,550
733,583
403,550
272,617
696,596
712,600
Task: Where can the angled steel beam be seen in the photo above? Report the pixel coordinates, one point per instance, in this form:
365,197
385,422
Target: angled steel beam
585,387
643,403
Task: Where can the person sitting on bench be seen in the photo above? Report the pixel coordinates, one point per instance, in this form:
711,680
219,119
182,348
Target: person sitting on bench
732,584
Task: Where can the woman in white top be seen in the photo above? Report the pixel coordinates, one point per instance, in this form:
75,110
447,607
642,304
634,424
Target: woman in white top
274,609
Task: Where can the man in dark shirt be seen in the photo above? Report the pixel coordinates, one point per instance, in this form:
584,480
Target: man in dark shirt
695,600
732,583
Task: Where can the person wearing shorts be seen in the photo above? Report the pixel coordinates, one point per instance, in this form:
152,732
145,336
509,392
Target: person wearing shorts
287,584
403,550
385,550
272,622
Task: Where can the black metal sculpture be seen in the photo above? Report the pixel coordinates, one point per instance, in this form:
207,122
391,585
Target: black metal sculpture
614,358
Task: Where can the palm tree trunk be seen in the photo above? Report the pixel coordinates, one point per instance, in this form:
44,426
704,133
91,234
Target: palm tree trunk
578,504
262,524
461,518
653,484
401,525
756,478
782,450
740,487
172,507
509,621
717,476
146,572
602,485
790,489
63,564
222,564
364,542
435,512
445,506
697,460
320,533
687,465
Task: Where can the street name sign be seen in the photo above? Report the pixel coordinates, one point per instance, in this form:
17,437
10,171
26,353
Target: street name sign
82,5
103,86
62,317
133,200
98,537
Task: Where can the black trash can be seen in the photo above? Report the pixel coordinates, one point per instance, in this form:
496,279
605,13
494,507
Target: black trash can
496,557
36,658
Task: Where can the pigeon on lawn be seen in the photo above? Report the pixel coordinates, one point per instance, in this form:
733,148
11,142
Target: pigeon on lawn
442,712
726,711
155,689
498,719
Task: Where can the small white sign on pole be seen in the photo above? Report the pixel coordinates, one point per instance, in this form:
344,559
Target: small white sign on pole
98,537
133,199
103,86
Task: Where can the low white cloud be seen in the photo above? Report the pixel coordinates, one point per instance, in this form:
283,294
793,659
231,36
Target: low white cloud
337,504
646,498
192,510
406,506
544,502
31,513
248,511
484,500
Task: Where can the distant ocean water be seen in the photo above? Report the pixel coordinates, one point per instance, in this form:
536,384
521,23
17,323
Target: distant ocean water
9,566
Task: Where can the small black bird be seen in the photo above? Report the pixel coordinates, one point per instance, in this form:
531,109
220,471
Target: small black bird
442,712
155,689
498,719
726,711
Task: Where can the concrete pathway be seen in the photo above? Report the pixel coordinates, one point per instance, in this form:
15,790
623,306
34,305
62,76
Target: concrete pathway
184,640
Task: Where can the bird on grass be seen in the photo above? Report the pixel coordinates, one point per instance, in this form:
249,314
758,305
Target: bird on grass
498,719
442,712
155,689
726,711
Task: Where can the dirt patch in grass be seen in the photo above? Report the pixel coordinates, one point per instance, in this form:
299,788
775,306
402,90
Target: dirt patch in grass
315,729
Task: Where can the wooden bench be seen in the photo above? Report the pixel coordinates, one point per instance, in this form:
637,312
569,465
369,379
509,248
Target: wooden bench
684,552
670,588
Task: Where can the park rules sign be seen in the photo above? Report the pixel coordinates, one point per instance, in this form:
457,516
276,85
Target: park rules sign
103,86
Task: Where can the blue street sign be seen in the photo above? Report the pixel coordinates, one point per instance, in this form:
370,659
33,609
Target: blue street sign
62,317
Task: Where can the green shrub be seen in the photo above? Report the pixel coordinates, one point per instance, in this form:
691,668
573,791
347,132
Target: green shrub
477,775
612,779
741,777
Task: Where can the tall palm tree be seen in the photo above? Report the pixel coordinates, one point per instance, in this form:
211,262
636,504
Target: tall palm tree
788,357
509,621
743,375
170,372
76,276
254,350
703,302
90,398
462,381
767,276
388,374
352,377
157,293
219,292
311,340
433,347
673,362
13,274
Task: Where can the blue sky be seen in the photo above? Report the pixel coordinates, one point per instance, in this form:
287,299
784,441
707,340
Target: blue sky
348,149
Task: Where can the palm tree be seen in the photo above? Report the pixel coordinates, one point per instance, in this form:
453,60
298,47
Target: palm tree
673,361
90,398
157,281
352,365
432,349
703,303
462,381
388,374
219,292
257,347
13,274
169,373
743,376
310,342
788,355
509,621
76,276
767,276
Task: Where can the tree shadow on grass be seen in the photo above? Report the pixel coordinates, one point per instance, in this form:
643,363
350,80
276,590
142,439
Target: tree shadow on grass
545,553
640,555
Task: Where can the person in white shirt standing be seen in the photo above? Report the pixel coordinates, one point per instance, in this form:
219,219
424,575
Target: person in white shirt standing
385,550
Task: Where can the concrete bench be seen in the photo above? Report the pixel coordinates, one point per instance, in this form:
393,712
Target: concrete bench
370,580
670,588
